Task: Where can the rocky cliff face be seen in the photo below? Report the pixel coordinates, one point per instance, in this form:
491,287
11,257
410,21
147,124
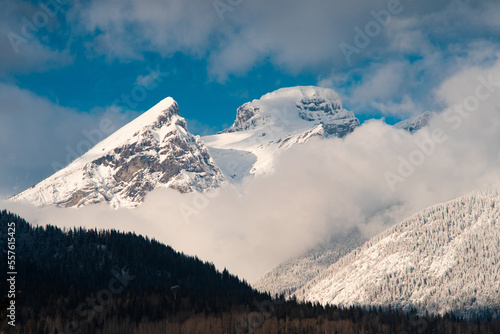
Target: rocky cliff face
155,150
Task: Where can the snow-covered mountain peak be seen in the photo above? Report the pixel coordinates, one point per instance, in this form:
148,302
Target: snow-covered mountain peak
158,122
291,109
275,122
305,95
157,115
154,150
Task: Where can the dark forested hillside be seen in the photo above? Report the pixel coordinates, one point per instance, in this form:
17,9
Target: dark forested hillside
59,270
89,281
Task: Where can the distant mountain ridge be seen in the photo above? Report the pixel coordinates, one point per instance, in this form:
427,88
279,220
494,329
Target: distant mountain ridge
444,259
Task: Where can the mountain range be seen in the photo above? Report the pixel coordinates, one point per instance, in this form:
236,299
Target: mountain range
157,150
444,259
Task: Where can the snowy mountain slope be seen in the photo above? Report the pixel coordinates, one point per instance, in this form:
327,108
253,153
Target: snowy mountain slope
445,258
277,121
154,150
295,273
416,123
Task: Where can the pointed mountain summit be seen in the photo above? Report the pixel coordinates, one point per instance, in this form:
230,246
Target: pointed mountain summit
154,150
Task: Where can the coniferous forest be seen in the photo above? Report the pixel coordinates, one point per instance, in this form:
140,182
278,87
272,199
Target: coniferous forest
90,281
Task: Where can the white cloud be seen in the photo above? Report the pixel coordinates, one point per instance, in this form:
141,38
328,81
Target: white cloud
405,109
404,87
384,82
456,89
293,35
128,28
406,37
491,15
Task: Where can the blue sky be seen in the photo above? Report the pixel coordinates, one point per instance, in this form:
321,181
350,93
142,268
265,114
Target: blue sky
212,56
208,104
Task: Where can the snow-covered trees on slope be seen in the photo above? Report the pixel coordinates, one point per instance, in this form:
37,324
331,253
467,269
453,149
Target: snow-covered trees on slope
443,259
